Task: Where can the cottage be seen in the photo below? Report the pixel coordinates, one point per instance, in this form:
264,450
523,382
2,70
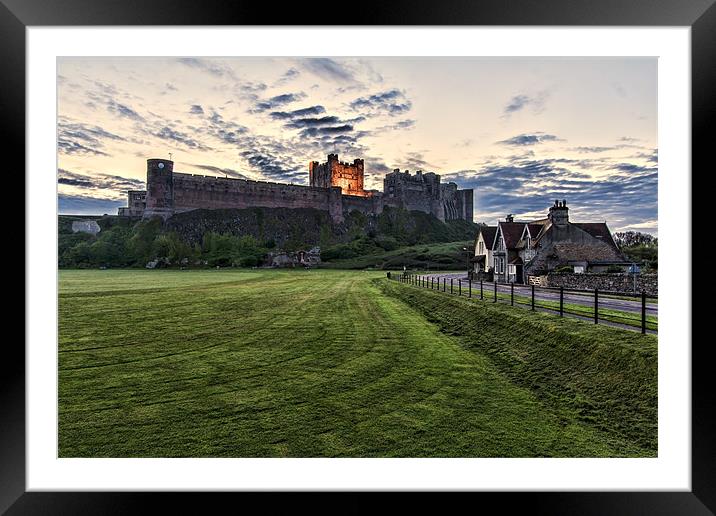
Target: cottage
508,249
585,246
533,248
483,261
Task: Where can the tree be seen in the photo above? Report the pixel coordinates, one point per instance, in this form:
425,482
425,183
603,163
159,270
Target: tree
634,238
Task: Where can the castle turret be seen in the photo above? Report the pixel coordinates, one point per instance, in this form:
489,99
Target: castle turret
160,188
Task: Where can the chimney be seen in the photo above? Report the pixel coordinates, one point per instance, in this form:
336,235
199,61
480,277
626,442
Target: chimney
510,218
559,213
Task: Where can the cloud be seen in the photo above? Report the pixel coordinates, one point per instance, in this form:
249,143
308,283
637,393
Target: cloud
123,111
318,131
196,109
313,110
272,167
520,102
78,138
529,139
392,102
329,69
114,183
206,65
287,76
277,101
416,160
516,103
301,123
652,156
595,149
397,126
625,196
167,133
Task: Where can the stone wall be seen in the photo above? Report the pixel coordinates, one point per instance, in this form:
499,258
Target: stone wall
335,187
603,281
373,204
193,192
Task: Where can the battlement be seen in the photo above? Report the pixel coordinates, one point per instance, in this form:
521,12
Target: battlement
334,186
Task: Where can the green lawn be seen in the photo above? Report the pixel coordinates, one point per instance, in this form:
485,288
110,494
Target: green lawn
254,363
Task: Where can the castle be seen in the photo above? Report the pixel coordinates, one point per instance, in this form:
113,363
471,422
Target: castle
334,186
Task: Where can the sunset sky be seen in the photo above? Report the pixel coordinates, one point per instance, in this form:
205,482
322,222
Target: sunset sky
520,131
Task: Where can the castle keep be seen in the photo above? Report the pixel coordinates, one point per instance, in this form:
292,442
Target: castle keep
335,173
334,186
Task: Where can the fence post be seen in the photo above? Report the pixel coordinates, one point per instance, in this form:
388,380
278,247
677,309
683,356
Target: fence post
451,285
459,287
533,296
469,288
495,284
444,285
481,290
512,293
596,306
561,301
643,311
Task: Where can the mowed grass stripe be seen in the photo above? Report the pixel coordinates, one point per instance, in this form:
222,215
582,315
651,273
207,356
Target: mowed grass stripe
286,363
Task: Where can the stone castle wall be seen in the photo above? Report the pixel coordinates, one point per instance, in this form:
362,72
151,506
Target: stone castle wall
170,192
425,192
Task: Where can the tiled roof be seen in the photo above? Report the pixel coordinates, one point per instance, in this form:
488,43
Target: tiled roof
488,235
511,232
597,230
534,229
569,252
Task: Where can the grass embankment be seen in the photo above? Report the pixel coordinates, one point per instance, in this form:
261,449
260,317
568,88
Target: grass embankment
605,314
436,257
329,363
603,376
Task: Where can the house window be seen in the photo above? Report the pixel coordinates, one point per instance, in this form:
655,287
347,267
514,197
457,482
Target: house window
511,270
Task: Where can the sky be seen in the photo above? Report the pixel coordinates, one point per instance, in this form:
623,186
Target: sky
521,132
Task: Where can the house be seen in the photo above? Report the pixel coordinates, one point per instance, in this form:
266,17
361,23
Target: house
585,246
483,260
532,248
508,251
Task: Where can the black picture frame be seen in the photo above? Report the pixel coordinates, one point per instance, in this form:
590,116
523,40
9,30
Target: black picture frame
16,15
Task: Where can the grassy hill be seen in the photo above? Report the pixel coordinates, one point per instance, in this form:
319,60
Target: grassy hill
447,256
242,237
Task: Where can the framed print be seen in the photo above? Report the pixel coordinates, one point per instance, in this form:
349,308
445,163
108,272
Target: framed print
416,252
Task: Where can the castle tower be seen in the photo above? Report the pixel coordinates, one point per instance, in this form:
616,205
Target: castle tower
347,176
160,188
